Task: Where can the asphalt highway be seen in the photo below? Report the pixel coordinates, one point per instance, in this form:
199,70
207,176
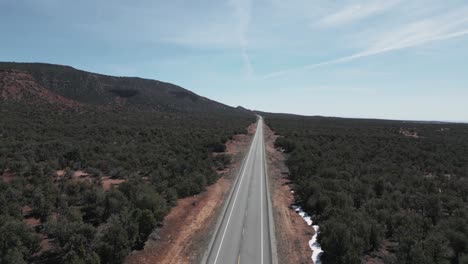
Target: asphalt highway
243,234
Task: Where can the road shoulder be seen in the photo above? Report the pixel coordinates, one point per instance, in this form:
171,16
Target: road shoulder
292,233
188,227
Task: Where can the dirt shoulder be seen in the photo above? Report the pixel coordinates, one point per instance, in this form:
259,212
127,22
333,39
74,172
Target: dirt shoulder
292,232
189,225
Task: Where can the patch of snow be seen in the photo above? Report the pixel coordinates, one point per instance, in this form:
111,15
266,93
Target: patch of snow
313,244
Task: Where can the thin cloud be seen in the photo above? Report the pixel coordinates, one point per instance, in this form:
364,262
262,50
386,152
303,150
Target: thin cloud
333,89
243,12
357,12
411,35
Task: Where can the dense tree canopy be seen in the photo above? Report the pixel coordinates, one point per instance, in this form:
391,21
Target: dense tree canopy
161,156
367,182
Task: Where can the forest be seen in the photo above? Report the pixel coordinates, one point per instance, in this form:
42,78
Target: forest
54,163
390,191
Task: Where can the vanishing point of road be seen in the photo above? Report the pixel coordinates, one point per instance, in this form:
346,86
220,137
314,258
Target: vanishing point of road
245,231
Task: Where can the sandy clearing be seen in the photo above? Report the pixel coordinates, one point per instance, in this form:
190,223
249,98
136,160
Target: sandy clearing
107,182
8,176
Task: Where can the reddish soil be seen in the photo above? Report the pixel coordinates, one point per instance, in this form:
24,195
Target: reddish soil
60,173
80,174
189,225
77,175
46,243
107,182
32,222
187,228
8,176
292,232
240,142
26,210
386,251
21,86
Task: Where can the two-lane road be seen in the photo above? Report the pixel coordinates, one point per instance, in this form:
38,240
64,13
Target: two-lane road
243,235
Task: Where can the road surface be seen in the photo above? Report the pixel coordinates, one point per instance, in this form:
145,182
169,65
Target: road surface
243,235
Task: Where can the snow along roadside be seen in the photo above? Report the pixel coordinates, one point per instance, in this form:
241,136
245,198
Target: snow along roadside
313,244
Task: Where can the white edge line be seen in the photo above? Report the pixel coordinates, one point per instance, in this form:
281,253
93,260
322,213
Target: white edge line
235,198
261,202
271,222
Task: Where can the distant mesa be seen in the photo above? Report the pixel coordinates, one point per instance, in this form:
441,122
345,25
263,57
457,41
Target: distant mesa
41,83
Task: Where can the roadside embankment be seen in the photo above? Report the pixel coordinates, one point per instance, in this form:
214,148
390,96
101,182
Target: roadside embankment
188,228
292,232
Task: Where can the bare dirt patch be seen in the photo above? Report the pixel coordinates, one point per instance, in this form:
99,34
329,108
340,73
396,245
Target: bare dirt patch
32,222
75,175
189,225
80,174
46,244
8,176
386,252
409,133
107,182
26,210
18,85
292,232
60,173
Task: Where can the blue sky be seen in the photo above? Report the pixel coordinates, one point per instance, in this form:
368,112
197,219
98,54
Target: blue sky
384,59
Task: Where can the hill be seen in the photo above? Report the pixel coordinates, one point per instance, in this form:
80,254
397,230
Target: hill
40,82
91,164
